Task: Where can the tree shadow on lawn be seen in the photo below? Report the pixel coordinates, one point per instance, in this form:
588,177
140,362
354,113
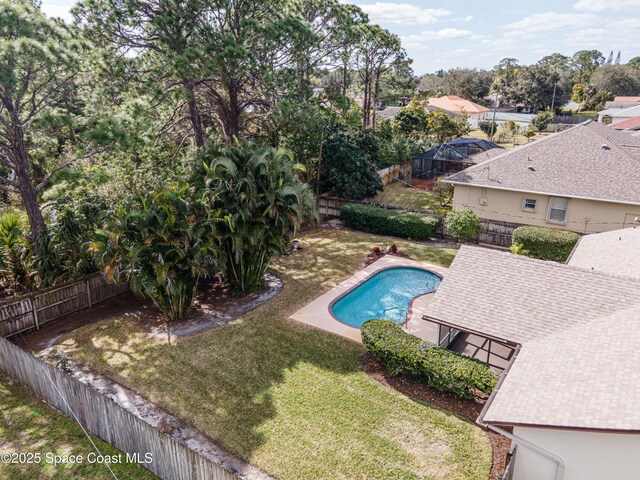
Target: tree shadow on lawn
287,397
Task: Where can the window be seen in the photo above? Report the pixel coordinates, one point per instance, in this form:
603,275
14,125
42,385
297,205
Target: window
558,210
529,204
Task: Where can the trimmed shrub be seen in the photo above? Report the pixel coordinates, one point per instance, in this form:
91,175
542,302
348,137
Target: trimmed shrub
446,371
546,243
390,222
463,224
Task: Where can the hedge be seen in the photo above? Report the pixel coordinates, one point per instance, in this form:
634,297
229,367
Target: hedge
390,222
446,371
546,243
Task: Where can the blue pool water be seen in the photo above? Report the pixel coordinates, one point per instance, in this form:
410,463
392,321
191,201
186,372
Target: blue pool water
393,287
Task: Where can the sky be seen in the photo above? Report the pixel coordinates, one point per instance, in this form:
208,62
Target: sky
478,33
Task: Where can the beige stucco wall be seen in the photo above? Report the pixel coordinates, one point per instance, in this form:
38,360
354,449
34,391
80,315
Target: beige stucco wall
587,455
584,216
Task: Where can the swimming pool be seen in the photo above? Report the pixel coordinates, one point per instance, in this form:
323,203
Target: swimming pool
386,294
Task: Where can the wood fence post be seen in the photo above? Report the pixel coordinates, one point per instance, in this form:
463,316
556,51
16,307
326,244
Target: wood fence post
34,309
87,283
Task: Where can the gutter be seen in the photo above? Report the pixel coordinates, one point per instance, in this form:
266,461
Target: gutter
514,438
551,194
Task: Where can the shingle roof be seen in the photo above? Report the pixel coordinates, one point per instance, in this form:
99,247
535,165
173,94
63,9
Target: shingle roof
579,330
589,160
629,123
583,377
609,252
520,299
453,103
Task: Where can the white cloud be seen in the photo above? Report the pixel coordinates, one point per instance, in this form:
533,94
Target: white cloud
57,8
402,13
468,18
602,5
420,41
541,22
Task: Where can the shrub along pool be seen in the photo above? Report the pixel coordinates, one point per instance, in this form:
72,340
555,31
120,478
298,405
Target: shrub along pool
386,294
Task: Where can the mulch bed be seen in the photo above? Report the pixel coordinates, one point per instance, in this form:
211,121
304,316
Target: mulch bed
468,409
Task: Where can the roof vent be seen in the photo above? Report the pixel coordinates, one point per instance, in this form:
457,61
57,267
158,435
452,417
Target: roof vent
605,146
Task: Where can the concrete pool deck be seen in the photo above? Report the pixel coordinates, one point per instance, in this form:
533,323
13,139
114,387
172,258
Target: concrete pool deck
317,312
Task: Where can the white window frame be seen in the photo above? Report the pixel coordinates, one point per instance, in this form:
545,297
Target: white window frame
527,209
566,211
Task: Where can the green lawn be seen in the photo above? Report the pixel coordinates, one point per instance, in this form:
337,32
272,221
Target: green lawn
519,139
291,399
27,425
400,195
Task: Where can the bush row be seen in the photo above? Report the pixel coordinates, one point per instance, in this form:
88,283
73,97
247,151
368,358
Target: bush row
546,243
390,222
446,371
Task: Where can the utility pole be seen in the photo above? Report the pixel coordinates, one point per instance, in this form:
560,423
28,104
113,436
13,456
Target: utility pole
493,123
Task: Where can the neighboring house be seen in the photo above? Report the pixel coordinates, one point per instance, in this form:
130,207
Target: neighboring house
585,179
451,157
571,391
630,124
622,102
614,115
454,104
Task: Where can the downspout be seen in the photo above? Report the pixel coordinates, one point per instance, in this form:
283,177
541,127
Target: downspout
514,438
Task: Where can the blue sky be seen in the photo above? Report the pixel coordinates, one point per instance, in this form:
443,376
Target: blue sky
478,33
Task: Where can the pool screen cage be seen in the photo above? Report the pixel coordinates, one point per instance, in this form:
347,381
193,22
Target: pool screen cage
448,158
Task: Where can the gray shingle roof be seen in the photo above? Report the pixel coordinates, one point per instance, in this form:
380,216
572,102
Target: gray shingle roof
579,325
610,252
589,160
584,377
521,299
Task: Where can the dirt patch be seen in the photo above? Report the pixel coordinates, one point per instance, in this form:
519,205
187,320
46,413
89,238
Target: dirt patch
468,409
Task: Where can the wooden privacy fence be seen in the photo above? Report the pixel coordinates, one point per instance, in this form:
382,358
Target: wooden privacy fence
104,418
498,233
33,310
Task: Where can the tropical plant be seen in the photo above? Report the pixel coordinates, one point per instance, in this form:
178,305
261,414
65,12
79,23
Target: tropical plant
463,224
258,203
161,243
14,252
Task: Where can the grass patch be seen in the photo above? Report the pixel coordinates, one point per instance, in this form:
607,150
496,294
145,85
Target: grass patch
519,138
28,425
291,399
399,195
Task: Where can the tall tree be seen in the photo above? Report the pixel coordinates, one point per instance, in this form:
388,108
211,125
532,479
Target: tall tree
39,60
585,63
617,79
165,35
377,52
539,87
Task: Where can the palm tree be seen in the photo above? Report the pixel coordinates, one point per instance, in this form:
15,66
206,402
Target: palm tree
258,202
159,244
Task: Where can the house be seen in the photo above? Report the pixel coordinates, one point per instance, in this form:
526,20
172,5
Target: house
454,104
568,397
622,102
450,157
614,115
585,179
630,124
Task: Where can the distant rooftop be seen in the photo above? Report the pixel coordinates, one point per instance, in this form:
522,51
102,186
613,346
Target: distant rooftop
628,124
453,103
589,160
